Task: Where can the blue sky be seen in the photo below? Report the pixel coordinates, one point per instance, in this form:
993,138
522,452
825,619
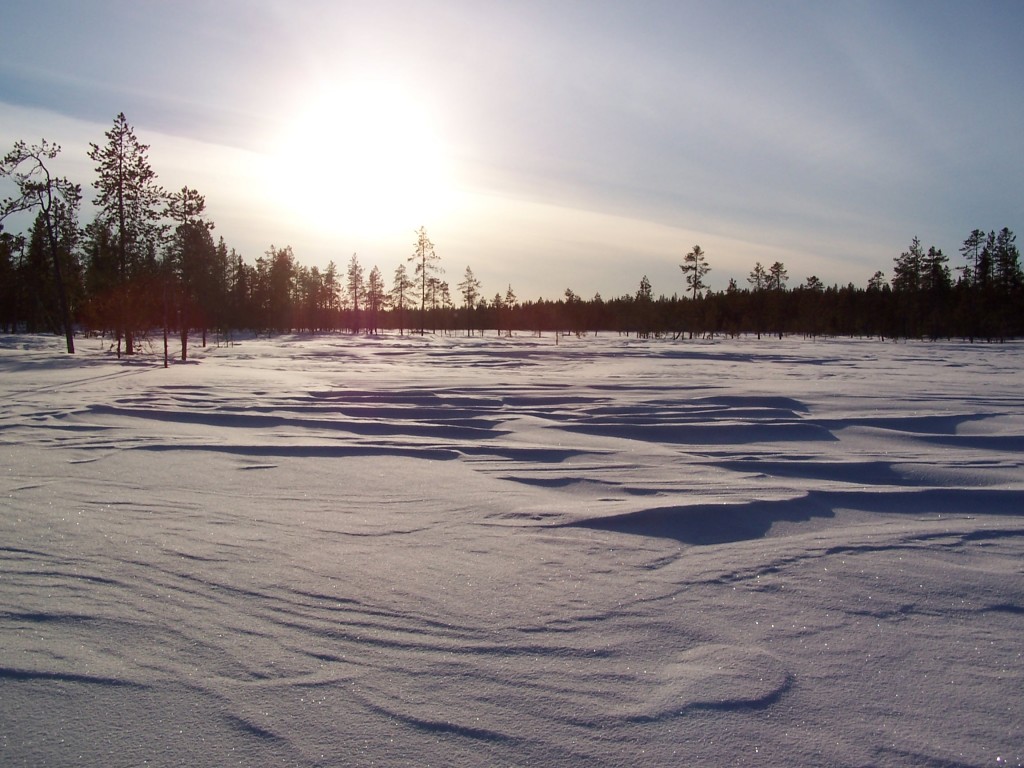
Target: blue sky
571,144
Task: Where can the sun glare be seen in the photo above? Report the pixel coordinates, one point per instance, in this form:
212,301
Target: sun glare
363,160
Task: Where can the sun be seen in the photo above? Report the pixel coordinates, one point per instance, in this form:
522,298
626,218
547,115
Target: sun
363,159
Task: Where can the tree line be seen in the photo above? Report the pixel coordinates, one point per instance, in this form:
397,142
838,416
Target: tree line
147,267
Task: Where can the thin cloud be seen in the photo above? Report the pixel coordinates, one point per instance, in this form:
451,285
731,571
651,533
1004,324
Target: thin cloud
824,135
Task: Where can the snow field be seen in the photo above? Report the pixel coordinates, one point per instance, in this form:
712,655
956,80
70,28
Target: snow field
448,551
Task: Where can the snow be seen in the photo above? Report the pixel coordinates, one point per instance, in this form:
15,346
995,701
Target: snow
447,551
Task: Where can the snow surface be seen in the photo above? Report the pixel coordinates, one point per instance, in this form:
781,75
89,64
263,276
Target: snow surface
446,551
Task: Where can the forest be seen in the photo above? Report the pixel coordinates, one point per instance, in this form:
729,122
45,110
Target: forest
147,268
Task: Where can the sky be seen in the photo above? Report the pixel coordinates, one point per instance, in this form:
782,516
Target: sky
548,145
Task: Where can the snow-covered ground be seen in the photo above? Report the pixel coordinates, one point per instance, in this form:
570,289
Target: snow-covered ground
448,551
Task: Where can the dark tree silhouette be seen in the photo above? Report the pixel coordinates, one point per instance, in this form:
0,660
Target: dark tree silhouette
123,280
470,290
190,260
401,290
425,260
695,269
356,290
375,298
9,283
130,199
57,200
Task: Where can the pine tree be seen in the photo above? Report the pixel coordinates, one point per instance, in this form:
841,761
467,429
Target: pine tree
434,300
240,292
758,278
447,305
971,251
401,287
644,310
374,298
814,284
213,293
356,290
425,260
935,276
189,261
906,275
498,305
35,278
695,269
777,276
936,285
57,200
9,245
645,292
1008,283
510,305
907,280
331,289
470,290
130,199
1006,262
279,273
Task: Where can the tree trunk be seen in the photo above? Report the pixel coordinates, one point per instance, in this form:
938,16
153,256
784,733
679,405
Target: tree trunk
62,294
166,352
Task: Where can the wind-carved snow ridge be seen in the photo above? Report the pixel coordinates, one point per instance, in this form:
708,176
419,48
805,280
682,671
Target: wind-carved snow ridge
449,551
